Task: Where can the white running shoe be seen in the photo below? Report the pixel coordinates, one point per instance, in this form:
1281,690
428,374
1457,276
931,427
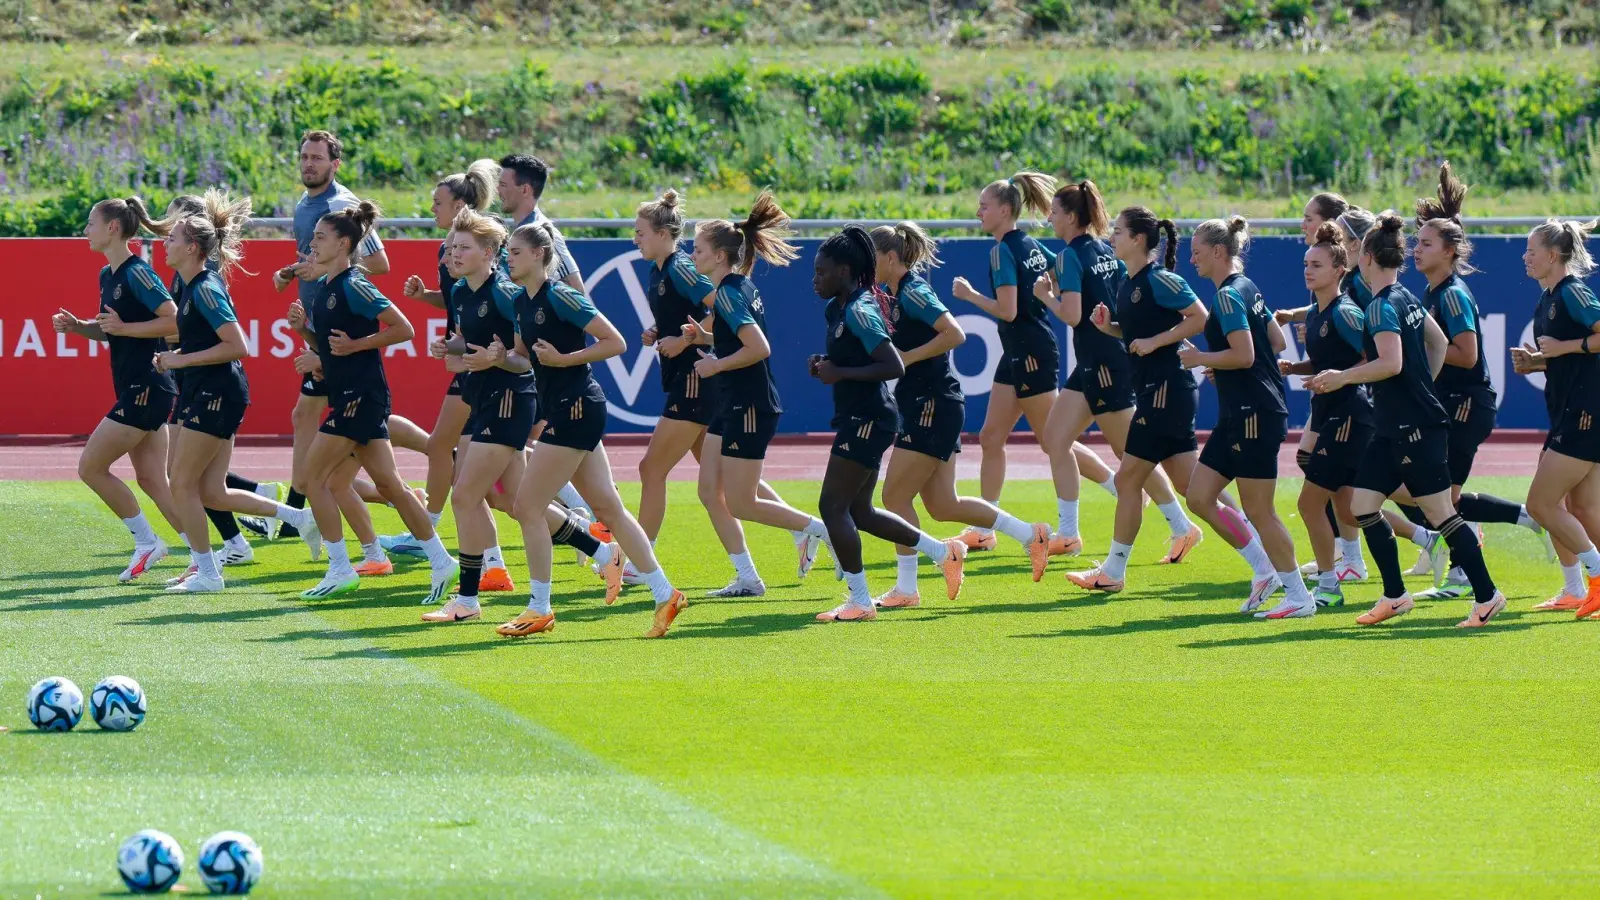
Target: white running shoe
312,535
1260,590
1424,563
197,584
234,554
1356,572
332,584
187,574
806,546
443,579
1289,609
630,574
143,558
273,491
738,587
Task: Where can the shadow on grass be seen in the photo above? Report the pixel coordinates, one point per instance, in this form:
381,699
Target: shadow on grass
1394,631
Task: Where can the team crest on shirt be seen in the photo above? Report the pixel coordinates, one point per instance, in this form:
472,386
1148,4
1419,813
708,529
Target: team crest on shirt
116,292
332,299
483,310
1135,297
662,288
1323,331
838,331
894,313
1552,312
538,317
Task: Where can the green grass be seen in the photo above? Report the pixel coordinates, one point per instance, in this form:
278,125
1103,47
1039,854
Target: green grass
1023,740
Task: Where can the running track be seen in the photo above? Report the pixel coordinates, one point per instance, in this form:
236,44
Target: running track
785,461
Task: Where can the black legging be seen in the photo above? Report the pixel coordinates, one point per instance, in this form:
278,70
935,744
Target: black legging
846,505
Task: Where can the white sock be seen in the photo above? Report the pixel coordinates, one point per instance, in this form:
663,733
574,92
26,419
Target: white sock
932,547
569,495
1422,537
1526,521
1351,551
660,587
816,529
539,597
435,517
1326,581
602,555
1177,519
905,578
206,563
139,527
1256,556
1295,588
1572,576
237,542
493,558
744,567
338,557
1591,560
1014,528
859,596
1066,516
1116,565
299,518
469,602
983,531
1110,485
373,552
438,556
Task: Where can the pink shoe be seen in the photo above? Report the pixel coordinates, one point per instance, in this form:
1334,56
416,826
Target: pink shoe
848,612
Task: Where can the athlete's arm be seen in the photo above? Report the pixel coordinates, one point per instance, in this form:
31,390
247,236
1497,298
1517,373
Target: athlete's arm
1241,354
948,335
963,290
1193,322
1285,316
1391,359
885,365
1100,317
417,291
230,348
163,325
608,342
517,359
65,322
397,330
755,349
1436,344
1275,337
376,263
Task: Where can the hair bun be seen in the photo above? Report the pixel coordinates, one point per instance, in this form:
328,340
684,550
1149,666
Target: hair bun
669,198
1237,224
1328,233
1391,222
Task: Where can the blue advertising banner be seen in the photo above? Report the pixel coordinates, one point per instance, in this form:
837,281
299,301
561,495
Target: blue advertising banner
617,275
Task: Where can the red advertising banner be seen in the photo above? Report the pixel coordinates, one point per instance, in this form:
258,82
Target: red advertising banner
61,384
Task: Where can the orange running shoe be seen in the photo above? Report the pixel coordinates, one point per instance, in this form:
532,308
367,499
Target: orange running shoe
1061,545
495,581
897,599
611,573
528,623
1039,549
375,567
953,566
1386,609
848,612
666,613
454,611
1095,580
1591,603
600,532
1561,602
1179,545
1483,612
977,540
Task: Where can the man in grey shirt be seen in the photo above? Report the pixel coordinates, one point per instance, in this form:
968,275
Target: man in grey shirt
522,181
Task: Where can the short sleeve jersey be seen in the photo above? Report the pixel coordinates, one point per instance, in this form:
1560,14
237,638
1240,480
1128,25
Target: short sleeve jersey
1017,260
913,313
1453,307
561,264
204,307
677,294
1568,312
310,209
1089,268
349,303
1334,340
856,329
1406,400
134,292
739,304
485,314
557,314
1238,306
1149,303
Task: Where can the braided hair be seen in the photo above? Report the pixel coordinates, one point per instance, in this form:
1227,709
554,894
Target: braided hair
853,248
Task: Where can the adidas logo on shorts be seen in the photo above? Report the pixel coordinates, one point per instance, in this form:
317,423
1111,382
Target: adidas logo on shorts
485,430
844,446
1405,460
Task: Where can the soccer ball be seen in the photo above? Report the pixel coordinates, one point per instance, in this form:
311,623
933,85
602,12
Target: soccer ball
230,863
150,862
55,704
117,703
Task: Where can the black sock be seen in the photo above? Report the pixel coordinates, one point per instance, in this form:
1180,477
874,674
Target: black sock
242,484
1333,518
224,523
1414,515
1385,553
471,569
298,501
1465,552
573,534
1486,508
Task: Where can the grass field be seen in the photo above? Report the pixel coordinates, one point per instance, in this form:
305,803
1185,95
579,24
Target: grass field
1025,740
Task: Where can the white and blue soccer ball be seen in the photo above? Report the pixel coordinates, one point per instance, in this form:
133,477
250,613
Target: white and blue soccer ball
230,863
55,704
150,862
117,703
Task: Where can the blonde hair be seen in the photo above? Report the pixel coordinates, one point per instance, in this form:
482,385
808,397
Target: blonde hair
219,230
760,235
1024,191
1567,240
1232,236
907,242
486,230
127,213
475,186
663,213
538,236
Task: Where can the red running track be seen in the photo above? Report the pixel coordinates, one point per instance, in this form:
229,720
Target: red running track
785,461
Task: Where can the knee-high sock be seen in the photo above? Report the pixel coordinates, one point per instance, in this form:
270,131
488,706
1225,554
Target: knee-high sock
1385,553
